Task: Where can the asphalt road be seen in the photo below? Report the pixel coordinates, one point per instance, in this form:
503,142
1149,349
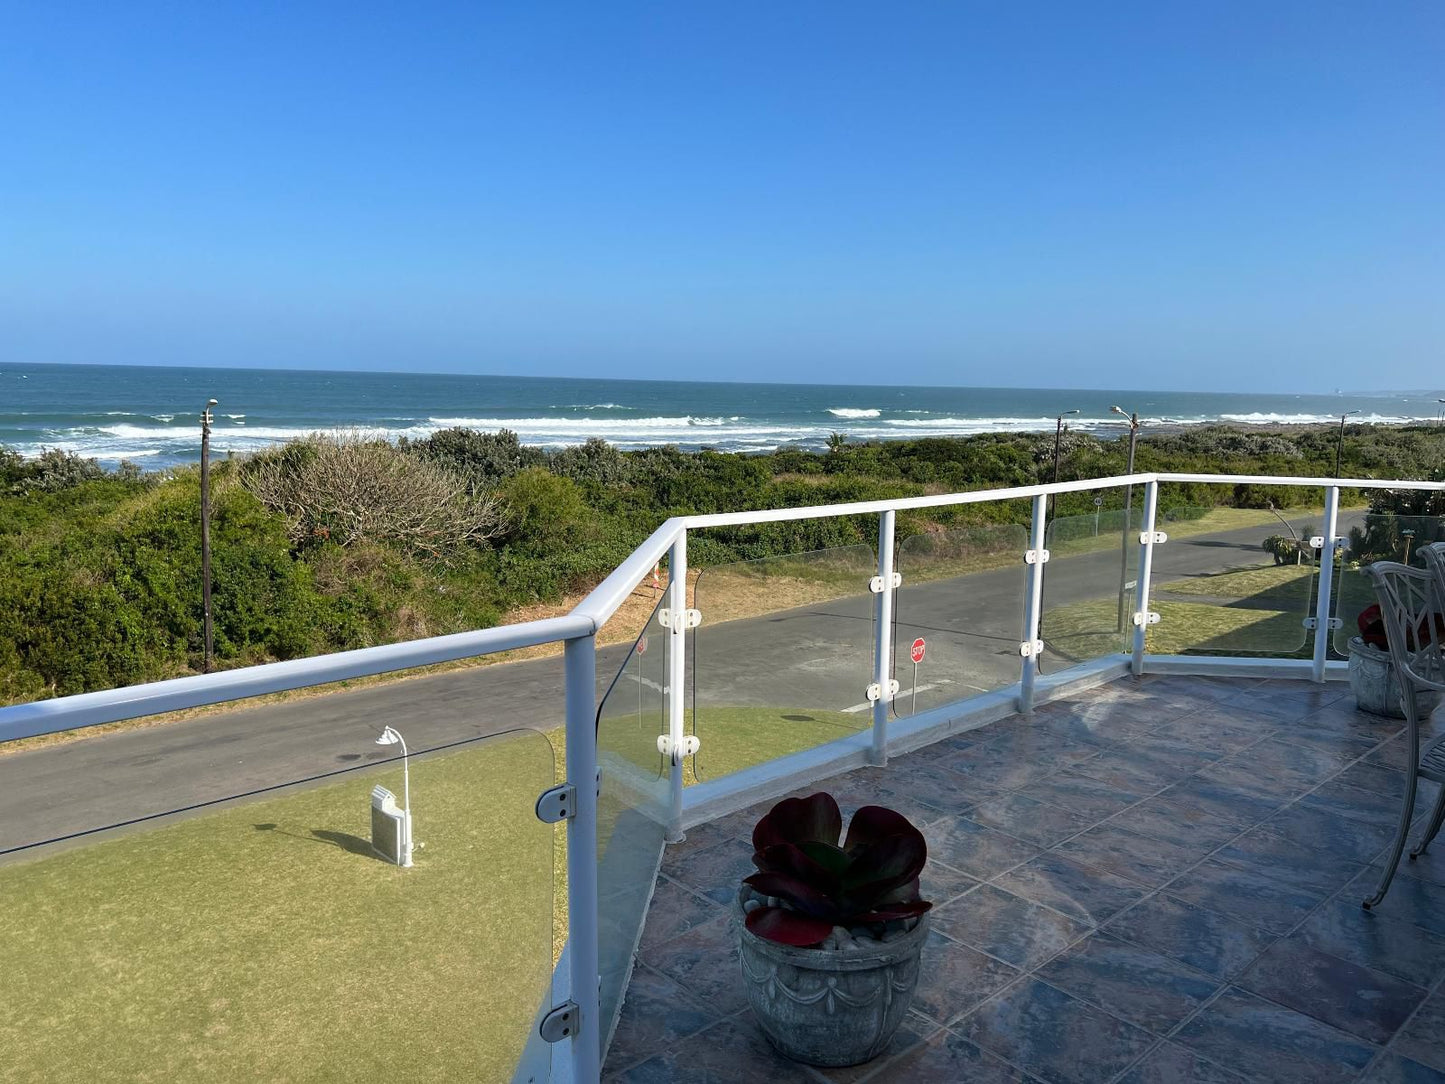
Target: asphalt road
812,657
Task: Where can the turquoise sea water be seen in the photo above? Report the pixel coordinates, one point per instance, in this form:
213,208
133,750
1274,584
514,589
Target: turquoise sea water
150,414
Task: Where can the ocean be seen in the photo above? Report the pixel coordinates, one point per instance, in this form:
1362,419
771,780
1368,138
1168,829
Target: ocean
151,414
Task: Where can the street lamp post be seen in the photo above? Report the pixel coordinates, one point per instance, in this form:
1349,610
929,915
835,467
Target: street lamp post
1098,507
1340,444
1128,509
1408,535
1058,442
390,736
206,531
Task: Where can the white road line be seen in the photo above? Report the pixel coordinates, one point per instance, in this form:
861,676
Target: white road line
900,693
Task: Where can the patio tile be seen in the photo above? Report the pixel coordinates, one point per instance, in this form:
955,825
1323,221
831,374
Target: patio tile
1327,835
1269,851
946,1058
953,978
1117,850
1205,940
1002,768
1423,1038
1272,1044
1220,728
1391,1068
1133,771
1356,999
704,961
1344,741
1168,744
702,836
1221,802
1410,899
1027,819
940,883
1257,898
731,1052
1009,927
1159,818
1078,793
904,798
1170,1064
1079,891
1053,1035
1345,929
674,910
1355,803
1274,759
978,851
657,1013
1290,703
910,1033
715,871
1272,783
1131,982
1386,781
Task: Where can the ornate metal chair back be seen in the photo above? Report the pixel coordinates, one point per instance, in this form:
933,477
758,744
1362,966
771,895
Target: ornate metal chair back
1412,605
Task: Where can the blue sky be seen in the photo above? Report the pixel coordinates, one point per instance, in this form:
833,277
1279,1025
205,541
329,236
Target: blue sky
1219,196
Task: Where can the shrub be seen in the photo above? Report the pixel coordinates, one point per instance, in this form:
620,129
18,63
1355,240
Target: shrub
487,458
344,488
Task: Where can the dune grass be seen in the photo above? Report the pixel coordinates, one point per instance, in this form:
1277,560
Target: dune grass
266,942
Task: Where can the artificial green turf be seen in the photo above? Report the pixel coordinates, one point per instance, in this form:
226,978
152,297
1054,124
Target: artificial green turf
265,942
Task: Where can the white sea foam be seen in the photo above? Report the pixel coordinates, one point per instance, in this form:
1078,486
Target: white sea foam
1261,418
854,412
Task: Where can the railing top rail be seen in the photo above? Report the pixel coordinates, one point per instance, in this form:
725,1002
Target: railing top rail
940,500
1287,480
134,701
608,595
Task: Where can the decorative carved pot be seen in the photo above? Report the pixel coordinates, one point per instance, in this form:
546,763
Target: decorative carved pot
830,1006
1376,688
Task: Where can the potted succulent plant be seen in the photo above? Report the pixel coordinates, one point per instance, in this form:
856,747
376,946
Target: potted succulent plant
1372,670
830,935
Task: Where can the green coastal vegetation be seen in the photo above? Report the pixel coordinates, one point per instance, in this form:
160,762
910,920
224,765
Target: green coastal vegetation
337,541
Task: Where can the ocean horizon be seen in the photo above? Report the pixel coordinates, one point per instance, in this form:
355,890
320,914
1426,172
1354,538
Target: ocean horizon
150,414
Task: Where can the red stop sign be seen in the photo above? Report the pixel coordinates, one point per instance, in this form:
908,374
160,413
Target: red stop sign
916,651
642,645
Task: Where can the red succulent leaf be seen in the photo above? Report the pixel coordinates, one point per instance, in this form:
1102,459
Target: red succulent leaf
805,897
829,857
795,862
872,823
800,820
882,866
788,927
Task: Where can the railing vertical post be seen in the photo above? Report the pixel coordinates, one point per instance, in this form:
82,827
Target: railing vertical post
580,660
883,639
1325,603
1033,604
1146,569
677,675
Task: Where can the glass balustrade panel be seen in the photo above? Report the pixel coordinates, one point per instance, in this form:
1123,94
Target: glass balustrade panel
783,657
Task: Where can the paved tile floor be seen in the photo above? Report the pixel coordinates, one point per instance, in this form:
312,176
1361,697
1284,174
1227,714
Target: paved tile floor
1156,881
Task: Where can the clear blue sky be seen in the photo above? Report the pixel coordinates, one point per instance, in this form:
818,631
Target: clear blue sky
1212,195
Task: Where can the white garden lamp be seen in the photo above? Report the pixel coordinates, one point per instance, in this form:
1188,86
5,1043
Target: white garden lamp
390,736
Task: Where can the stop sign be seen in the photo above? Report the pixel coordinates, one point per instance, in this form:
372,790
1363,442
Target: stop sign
642,645
916,651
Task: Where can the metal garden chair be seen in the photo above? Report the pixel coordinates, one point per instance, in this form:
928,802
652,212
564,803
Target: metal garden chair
1412,601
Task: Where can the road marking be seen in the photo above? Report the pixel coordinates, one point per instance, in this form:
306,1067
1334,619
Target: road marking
901,692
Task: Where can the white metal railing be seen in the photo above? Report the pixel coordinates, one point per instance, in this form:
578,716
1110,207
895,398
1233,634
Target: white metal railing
578,629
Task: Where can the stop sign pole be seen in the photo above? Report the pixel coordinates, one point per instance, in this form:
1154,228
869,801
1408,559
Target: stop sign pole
916,654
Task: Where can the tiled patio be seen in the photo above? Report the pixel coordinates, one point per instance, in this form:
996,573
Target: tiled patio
1156,881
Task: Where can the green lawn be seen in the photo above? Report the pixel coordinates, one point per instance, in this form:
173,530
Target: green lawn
1251,611
265,942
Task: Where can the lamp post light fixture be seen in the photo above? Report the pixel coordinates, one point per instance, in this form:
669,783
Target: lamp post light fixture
1058,437
206,533
1098,507
1408,535
390,736
1128,509
1340,445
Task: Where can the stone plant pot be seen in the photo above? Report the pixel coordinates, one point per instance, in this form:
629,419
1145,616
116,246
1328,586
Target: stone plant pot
1376,689
829,1006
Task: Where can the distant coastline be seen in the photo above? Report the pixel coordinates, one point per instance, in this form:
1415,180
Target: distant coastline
148,414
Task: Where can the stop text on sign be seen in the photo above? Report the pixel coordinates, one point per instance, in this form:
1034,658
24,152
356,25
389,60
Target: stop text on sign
917,650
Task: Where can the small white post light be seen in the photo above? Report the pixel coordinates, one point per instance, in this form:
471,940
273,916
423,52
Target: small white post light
390,736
